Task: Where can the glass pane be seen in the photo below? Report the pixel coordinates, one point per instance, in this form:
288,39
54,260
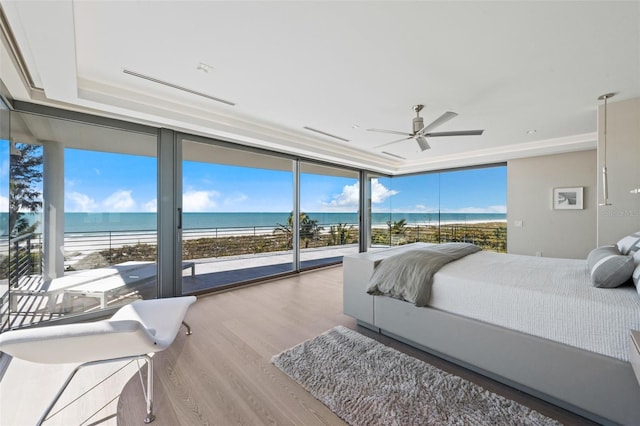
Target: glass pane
329,201
111,223
414,210
25,224
93,234
382,192
462,205
4,214
236,215
473,204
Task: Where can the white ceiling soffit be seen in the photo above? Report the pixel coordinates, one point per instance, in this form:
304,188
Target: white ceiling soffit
342,67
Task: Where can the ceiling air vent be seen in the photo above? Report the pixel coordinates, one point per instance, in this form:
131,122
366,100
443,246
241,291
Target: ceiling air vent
326,134
175,86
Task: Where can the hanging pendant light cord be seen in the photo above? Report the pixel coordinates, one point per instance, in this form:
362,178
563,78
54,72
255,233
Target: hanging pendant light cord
605,183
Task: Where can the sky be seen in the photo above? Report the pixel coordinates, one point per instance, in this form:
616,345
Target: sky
107,182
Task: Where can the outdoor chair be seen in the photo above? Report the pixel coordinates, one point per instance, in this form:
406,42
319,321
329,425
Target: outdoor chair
134,332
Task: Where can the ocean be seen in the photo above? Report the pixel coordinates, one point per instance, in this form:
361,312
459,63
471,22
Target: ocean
101,222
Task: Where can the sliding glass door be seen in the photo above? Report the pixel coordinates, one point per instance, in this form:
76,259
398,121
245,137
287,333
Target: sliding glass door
82,221
237,220
329,226
5,152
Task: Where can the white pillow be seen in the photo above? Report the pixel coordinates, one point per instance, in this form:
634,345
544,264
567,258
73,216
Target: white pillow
629,244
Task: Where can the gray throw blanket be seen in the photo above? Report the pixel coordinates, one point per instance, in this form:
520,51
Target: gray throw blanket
409,275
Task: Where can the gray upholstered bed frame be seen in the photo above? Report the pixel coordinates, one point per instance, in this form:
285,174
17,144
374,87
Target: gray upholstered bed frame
595,386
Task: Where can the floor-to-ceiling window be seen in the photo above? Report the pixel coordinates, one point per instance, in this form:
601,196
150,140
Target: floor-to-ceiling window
5,152
329,200
25,223
91,203
237,214
473,206
457,205
84,199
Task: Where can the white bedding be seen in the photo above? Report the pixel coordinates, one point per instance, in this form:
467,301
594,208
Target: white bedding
545,297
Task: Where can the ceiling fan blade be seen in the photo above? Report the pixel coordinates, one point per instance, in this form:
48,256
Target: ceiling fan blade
422,143
392,142
438,121
393,132
455,133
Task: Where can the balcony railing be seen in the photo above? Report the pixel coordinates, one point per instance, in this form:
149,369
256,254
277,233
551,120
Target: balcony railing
112,247
90,250
492,237
19,257
105,248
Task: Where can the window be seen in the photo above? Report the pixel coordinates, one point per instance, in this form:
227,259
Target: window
237,224
84,234
329,201
460,205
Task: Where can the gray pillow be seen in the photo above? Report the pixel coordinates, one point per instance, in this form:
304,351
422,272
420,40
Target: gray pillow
608,267
629,244
636,278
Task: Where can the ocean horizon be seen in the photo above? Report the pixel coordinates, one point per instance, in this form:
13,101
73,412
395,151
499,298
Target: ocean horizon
118,222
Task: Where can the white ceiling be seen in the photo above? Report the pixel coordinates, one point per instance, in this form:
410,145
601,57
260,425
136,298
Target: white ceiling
341,67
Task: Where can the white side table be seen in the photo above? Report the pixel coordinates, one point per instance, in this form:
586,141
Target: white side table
634,353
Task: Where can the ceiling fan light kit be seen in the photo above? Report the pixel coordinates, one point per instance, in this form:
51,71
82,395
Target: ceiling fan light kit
420,132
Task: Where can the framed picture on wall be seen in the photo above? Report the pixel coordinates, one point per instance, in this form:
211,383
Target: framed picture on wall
567,198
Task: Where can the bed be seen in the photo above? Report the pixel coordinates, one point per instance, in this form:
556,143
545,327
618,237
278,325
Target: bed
567,342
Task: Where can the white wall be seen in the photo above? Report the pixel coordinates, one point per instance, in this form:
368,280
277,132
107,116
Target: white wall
533,226
622,217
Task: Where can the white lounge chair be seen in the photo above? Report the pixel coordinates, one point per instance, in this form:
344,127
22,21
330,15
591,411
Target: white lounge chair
103,288
99,283
133,332
55,287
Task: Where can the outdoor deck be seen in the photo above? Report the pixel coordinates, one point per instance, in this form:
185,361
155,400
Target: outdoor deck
92,290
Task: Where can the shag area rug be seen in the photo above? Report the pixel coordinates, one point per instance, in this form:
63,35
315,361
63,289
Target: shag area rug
367,383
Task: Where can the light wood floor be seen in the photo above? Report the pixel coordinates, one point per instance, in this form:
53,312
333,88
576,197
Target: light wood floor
222,374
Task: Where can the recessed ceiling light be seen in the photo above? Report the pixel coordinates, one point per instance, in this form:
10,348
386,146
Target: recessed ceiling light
204,67
531,132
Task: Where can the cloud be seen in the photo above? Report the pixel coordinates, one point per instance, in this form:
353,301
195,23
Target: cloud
379,192
151,206
421,208
236,199
488,209
78,202
350,195
348,198
4,203
97,171
199,201
119,201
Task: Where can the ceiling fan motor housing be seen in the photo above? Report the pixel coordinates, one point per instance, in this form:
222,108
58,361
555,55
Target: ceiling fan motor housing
418,124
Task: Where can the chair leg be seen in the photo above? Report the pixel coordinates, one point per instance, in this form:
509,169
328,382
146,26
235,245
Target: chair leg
148,394
58,395
188,333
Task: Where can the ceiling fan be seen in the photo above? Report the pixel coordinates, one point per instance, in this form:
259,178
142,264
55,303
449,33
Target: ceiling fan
422,132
